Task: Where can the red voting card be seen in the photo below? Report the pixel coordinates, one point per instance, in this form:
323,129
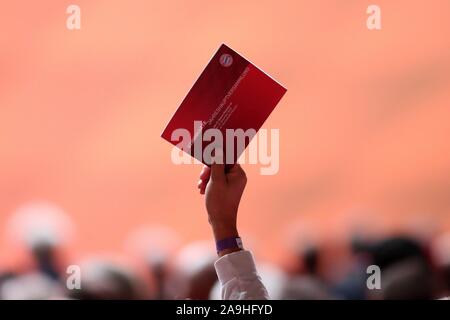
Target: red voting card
231,93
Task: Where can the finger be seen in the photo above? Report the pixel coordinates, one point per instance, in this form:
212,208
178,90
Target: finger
202,188
205,175
204,178
202,184
206,171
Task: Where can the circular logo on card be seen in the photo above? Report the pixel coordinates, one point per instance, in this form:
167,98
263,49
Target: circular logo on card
226,60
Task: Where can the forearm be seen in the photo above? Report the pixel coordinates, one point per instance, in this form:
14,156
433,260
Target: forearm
221,232
235,267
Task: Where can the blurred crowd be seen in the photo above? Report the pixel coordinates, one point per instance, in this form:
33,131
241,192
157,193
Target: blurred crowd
155,264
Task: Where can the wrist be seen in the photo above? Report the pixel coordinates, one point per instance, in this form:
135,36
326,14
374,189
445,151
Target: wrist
222,253
223,232
229,245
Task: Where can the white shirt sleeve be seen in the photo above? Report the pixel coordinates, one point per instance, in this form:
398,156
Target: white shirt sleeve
239,278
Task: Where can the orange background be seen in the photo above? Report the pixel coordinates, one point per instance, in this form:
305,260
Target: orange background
364,126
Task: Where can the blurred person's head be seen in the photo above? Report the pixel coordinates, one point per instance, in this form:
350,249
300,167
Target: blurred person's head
306,259
406,271
6,276
408,279
305,288
310,259
196,274
440,251
396,249
42,229
107,280
302,241
32,286
154,247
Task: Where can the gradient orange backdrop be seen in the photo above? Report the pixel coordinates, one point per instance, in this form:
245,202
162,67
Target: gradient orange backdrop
364,126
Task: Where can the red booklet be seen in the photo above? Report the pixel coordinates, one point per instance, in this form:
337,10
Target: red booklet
231,95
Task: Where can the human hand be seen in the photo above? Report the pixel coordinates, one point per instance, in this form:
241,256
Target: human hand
223,192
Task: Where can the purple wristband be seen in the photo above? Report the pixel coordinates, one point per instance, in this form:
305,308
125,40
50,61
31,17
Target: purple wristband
229,243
